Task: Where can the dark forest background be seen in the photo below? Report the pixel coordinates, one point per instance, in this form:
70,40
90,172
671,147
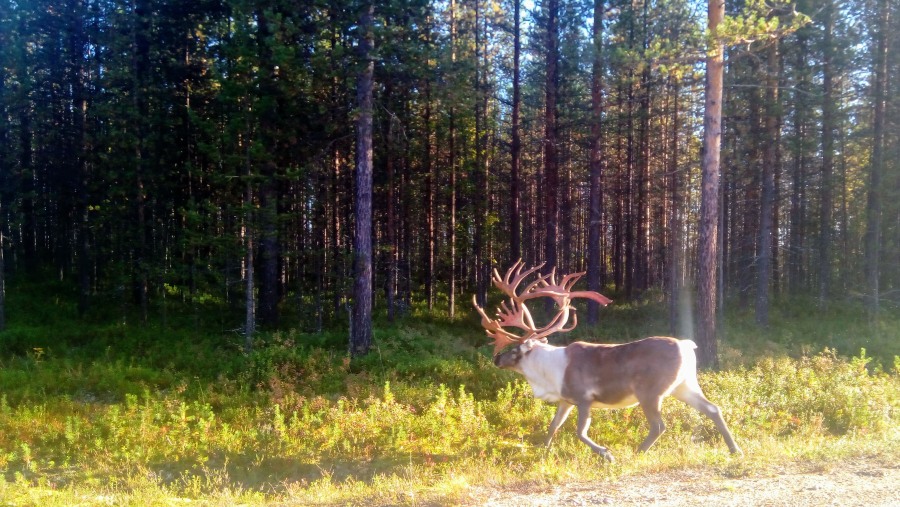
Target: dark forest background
160,156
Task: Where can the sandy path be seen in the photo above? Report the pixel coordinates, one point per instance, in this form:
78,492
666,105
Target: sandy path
861,481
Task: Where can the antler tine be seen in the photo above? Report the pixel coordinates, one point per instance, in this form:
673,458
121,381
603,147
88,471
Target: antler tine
535,288
485,320
515,269
546,286
562,290
507,317
574,323
593,296
556,324
514,313
497,279
513,278
571,279
501,341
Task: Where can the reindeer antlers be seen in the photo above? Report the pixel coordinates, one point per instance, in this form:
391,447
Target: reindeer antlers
514,313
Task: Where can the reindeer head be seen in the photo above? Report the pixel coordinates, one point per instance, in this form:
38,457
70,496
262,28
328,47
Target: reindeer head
514,313
510,358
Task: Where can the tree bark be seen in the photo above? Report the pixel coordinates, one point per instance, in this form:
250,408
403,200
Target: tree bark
249,273
516,141
390,282
551,134
828,103
430,171
873,202
452,163
361,326
140,68
2,275
767,204
643,214
76,52
675,259
248,231
269,248
4,146
796,247
479,239
707,286
595,219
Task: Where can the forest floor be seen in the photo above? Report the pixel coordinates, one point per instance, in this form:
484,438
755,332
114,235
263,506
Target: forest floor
864,481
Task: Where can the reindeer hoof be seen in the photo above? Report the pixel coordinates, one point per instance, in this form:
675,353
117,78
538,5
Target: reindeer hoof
607,455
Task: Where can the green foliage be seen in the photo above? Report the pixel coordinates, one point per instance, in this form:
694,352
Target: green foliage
183,412
760,21
816,396
802,326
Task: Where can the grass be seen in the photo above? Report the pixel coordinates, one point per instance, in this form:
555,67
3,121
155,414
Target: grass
111,414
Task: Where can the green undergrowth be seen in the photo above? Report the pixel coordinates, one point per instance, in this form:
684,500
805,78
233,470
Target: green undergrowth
112,414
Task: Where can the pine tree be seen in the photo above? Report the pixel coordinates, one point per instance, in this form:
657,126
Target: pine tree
361,326
707,285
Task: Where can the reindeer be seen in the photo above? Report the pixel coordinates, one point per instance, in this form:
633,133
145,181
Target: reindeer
588,375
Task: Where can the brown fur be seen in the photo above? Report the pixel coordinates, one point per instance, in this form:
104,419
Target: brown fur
641,368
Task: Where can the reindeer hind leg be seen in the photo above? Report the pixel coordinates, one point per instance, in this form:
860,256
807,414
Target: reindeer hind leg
693,396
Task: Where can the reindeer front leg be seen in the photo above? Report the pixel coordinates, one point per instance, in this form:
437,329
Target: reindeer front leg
584,422
562,413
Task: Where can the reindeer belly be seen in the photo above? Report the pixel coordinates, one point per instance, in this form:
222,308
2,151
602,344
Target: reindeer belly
605,398
628,401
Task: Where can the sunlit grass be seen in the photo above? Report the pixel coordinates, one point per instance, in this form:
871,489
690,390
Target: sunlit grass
426,418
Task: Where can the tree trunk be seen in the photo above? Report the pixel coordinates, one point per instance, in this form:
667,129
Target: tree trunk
621,183
643,253
828,99
247,236
76,53
430,171
269,248
796,247
361,326
337,204
551,134
4,145
675,259
767,206
631,247
140,68
2,275
873,203
595,219
709,206
452,163
249,274
390,283
776,213
515,225
479,176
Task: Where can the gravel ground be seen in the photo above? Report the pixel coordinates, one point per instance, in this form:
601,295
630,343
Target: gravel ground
866,482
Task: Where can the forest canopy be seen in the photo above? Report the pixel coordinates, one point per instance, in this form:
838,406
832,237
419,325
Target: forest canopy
205,151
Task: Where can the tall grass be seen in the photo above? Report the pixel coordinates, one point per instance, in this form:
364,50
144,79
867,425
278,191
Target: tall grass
111,414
